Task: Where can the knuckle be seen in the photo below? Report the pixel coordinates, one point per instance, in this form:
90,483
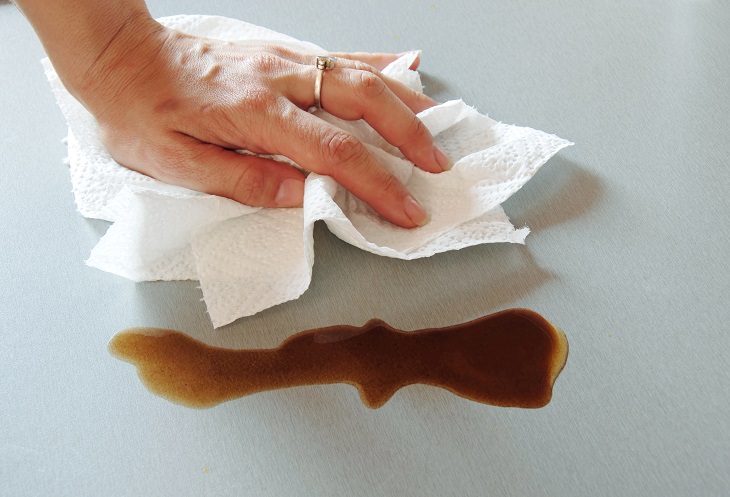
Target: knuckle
249,186
265,62
370,85
256,100
176,166
341,147
389,185
419,130
280,52
363,66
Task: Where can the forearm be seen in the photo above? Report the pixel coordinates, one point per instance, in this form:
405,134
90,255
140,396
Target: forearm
78,34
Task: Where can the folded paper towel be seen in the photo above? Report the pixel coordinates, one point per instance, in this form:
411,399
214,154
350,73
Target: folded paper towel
248,259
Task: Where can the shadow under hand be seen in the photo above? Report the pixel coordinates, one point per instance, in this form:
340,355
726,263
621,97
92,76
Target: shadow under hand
434,87
561,191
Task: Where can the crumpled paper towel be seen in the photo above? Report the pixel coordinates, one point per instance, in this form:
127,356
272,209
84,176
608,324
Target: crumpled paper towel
248,259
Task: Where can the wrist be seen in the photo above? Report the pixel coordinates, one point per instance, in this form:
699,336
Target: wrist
117,62
84,37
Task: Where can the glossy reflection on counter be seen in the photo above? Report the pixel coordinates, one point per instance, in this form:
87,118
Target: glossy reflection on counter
511,358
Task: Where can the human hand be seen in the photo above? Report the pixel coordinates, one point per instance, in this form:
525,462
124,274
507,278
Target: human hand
176,107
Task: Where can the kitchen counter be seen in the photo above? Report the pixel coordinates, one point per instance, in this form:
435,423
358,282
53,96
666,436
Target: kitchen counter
628,255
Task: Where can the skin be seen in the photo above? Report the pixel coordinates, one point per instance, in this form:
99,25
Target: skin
175,107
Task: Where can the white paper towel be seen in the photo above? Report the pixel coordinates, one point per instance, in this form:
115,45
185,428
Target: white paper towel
248,259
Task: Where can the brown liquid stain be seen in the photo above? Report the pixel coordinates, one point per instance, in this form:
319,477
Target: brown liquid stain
511,358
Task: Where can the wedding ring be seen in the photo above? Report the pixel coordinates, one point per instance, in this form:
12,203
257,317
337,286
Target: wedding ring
323,63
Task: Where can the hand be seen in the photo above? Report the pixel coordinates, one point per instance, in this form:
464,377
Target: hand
175,107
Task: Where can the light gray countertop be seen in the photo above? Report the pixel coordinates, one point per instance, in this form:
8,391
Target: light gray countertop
628,255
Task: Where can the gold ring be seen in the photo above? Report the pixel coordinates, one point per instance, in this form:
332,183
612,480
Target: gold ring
322,63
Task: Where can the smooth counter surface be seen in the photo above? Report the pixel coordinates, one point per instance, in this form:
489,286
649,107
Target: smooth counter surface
628,256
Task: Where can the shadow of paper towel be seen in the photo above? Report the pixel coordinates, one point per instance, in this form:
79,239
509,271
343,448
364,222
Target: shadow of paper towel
561,191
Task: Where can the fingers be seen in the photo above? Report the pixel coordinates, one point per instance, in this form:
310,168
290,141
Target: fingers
416,101
378,60
325,149
375,63
309,141
353,90
315,145
358,92
299,87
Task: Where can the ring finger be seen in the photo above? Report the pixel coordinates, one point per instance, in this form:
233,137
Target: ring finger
353,90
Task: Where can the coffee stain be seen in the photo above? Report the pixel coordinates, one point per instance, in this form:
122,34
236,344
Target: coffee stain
511,358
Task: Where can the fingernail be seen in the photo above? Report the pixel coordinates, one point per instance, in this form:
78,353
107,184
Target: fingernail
415,211
441,158
290,194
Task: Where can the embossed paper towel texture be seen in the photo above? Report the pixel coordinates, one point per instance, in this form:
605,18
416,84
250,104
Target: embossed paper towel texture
248,259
